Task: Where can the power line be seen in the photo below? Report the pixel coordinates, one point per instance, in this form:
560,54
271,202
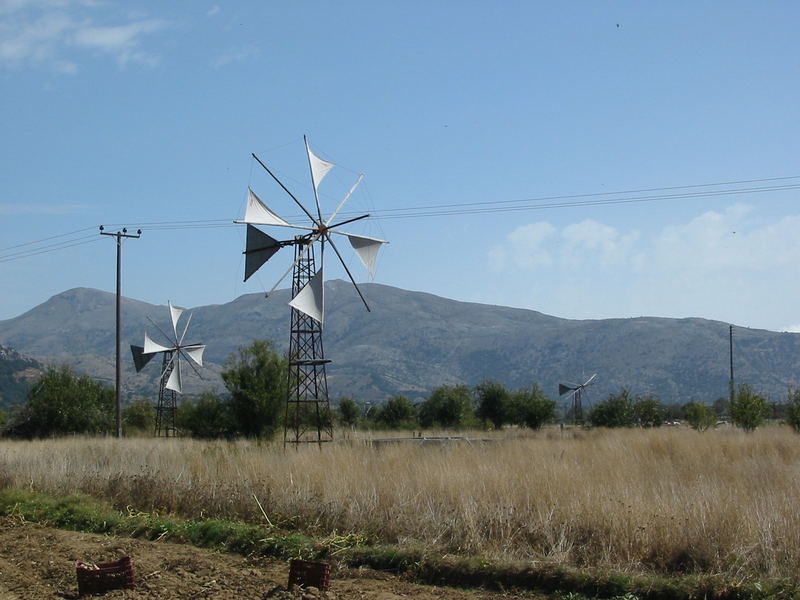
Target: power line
452,209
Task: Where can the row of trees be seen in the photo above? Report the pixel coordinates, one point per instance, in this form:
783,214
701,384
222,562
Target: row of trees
62,402
747,410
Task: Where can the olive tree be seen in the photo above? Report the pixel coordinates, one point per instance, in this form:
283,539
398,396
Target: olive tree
748,409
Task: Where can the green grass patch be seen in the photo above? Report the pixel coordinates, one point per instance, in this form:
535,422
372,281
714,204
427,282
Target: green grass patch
87,514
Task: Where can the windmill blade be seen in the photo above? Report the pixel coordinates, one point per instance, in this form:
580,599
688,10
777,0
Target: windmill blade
258,213
564,388
259,248
195,352
367,250
174,382
349,274
140,359
151,347
310,299
185,329
319,168
346,198
589,381
175,314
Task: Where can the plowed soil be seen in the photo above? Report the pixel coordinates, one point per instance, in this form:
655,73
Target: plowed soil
39,563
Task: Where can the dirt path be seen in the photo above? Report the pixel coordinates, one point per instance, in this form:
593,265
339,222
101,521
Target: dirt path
39,563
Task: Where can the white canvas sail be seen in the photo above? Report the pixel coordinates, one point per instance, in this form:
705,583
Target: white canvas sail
319,167
174,382
367,250
151,347
309,300
258,213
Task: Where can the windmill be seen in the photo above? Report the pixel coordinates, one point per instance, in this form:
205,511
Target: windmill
170,382
576,391
307,403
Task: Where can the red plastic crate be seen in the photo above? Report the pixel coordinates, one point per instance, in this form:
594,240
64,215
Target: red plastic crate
309,573
107,576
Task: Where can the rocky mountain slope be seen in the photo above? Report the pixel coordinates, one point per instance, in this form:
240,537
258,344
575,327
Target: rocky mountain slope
412,342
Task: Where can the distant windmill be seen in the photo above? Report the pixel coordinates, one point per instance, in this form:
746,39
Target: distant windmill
170,382
576,391
307,402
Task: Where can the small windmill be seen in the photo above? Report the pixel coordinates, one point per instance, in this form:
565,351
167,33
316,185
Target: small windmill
170,382
307,402
576,391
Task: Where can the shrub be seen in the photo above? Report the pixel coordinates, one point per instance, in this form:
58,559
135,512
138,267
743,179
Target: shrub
748,409
699,416
532,408
793,409
493,403
616,411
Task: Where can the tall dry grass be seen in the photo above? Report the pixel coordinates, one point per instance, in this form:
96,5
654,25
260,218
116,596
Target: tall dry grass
668,500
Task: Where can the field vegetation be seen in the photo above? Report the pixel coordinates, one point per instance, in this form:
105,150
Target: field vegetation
665,500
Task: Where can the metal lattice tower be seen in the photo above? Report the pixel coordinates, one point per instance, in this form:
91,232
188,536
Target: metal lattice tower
167,406
308,417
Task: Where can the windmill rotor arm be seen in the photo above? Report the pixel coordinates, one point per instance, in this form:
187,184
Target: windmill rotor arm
346,198
154,324
345,222
349,274
285,189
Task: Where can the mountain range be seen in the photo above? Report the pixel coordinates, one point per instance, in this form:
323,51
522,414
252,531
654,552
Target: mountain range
412,342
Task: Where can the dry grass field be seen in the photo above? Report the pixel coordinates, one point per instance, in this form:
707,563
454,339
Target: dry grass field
668,500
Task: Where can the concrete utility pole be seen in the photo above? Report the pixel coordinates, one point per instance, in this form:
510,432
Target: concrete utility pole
731,383
119,235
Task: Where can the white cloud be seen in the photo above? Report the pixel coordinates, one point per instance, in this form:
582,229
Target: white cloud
234,55
213,11
525,247
54,33
734,265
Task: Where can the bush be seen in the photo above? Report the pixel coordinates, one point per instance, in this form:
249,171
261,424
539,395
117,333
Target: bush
532,408
349,412
256,380
139,416
648,412
397,413
447,406
793,409
493,403
699,416
748,409
616,411
208,417
61,402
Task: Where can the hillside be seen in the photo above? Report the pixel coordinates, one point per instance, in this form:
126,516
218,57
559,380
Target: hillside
16,372
412,342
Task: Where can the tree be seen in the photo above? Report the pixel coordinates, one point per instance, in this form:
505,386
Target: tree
748,409
3,418
616,411
699,416
493,403
256,380
349,412
532,408
208,417
793,409
396,413
648,412
139,415
447,406
62,402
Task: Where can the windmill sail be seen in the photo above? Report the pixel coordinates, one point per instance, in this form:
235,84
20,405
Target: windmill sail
140,359
259,249
367,250
258,213
309,300
319,167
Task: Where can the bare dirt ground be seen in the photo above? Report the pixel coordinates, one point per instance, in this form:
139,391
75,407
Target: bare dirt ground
39,563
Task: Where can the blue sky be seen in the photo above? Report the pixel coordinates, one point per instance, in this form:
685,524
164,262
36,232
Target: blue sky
124,113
